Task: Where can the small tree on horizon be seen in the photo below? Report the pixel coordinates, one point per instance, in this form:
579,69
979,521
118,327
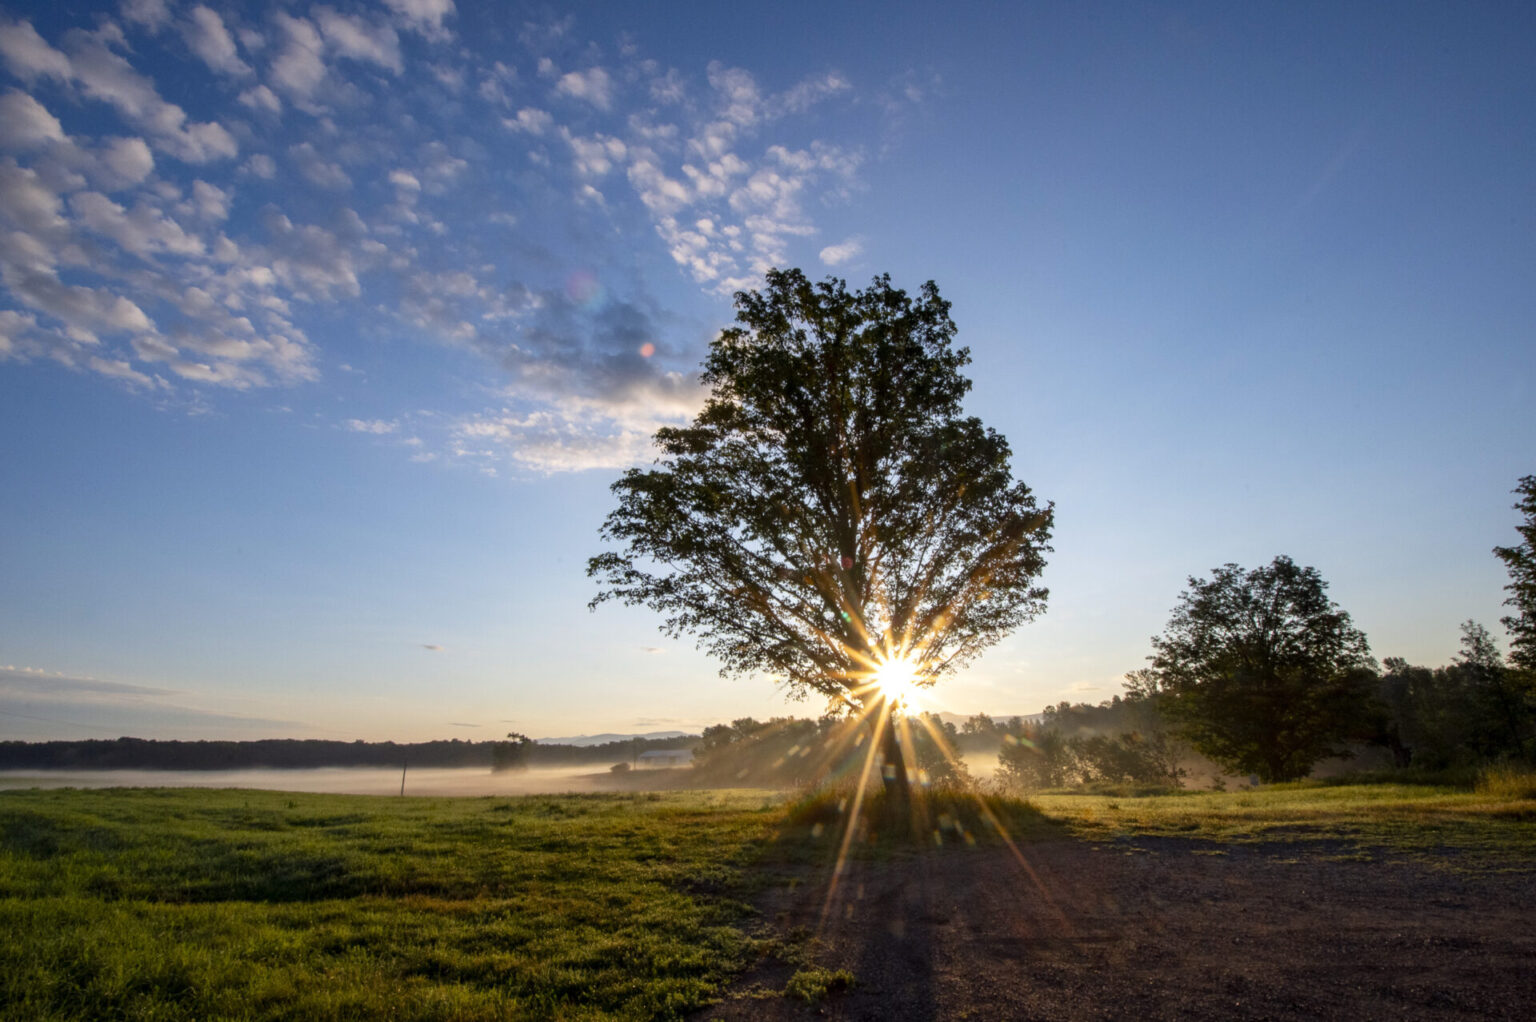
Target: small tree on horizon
511,754
831,510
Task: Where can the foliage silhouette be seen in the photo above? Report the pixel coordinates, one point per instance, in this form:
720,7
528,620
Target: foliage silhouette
1263,673
1521,564
831,508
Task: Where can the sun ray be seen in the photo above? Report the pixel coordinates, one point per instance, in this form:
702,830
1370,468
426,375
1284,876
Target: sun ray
851,823
1002,831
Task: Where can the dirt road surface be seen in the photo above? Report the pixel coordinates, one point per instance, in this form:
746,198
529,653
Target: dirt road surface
1156,928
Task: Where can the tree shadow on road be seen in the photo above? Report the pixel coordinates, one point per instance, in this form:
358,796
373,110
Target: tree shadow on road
867,896
1045,925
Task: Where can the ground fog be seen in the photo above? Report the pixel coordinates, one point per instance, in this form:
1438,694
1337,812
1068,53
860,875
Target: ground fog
326,780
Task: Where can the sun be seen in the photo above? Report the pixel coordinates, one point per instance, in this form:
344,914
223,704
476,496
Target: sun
896,681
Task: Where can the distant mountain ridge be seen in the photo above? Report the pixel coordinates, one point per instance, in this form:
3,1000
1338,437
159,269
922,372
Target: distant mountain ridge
582,741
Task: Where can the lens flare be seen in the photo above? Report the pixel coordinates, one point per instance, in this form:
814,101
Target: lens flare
583,288
896,681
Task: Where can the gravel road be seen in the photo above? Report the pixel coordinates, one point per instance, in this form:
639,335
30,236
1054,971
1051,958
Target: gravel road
1157,928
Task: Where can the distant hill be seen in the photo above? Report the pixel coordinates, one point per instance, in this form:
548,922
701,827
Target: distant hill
582,741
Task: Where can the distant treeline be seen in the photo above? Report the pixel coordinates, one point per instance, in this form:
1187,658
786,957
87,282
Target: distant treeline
292,753
793,751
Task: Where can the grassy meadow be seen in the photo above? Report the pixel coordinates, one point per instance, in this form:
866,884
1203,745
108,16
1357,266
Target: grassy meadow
195,904
1479,829
233,904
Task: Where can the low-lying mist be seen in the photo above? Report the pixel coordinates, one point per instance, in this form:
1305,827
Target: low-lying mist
333,780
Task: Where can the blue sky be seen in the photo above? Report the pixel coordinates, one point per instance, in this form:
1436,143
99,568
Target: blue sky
324,328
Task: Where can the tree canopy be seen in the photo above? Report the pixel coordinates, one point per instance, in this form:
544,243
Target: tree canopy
1521,563
1262,671
831,509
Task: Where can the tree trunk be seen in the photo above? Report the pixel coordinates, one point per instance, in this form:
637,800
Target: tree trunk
893,770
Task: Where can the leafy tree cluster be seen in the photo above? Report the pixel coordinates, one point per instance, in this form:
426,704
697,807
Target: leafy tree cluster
543,754
798,752
1261,672
1037,758
1475,710
512,754
936,746
1264,674
1131,711
1520,561
781,752
982,733
1045,757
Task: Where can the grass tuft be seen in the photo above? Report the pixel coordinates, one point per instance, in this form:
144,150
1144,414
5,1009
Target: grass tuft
812,984
1508,780
938,815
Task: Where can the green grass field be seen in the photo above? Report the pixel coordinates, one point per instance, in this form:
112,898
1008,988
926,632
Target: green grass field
1449,827
189,904
195,904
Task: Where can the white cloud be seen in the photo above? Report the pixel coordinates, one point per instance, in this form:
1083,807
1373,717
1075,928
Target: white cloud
82,310
262,166
595,156
212,202
29,56
25,123
494,83
356,38
311,261
440,167
259,97
736,94
152,14
27,202
810,92
842,252
668,88
574,433
299,68
423,16
377,427
119,369
534,122
107,77
592,85
129,159
116,707
120,263
316,169
17,680
15,328
145,231
207,37
662,194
